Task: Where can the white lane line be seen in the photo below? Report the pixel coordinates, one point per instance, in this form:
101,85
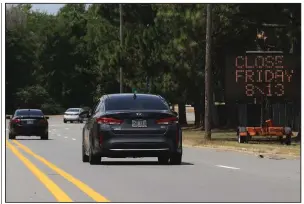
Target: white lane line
73,139
58,135
227,167
66,128
65,137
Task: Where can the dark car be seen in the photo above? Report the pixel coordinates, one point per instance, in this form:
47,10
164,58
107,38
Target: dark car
131,125
28,122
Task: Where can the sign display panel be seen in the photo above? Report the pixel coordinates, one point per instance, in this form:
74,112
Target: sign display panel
263,74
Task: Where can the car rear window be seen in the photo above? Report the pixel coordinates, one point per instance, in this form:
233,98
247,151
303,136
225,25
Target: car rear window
28,113
140,103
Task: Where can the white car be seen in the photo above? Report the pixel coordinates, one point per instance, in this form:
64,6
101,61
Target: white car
72,114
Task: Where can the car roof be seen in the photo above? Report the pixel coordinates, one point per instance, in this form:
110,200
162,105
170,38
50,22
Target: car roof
73,108
29,109
140,95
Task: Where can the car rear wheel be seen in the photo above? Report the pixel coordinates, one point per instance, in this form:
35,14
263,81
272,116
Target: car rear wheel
64,121
176,159
11,136
85,158
163,160
94,159
45,136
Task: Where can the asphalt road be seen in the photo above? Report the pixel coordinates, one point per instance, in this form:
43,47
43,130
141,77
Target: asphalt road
52,171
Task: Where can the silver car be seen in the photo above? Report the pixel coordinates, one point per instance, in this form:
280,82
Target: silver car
72,114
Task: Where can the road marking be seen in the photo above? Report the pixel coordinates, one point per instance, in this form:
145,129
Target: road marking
65,137
66,128
57,192
58,135
73,139
227,167
82,186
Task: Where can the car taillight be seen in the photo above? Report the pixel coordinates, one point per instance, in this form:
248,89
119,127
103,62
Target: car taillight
16,121
43,121
109,121
167,121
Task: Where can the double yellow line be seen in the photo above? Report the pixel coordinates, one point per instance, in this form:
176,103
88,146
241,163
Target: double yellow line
58,193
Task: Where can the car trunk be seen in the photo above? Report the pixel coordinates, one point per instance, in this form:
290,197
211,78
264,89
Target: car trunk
139,122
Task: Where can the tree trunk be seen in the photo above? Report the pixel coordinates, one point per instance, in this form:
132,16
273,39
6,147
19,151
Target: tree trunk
208,72
182,113
202,111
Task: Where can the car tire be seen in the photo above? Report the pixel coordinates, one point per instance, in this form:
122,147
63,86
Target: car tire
64,121
176,159
163,160
45,136
80,121
85,158
11,136
94,159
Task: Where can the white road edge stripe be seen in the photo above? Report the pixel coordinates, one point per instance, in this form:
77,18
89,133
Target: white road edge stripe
227,167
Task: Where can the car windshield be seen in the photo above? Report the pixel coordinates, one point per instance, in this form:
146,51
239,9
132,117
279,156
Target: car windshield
140,103
73,110
29,113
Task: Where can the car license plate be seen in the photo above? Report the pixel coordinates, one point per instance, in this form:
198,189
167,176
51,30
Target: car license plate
139,123
30,122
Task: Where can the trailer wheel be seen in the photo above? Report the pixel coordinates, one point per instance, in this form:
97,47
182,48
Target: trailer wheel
248,138
288,140
242,139
280,138
288,133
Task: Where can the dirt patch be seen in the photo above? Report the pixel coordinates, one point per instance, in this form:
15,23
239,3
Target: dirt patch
227,141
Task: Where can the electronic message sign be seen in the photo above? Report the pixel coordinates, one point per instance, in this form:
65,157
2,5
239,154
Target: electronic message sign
263,74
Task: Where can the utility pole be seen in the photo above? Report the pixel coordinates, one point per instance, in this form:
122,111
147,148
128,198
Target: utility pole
208,92
121,55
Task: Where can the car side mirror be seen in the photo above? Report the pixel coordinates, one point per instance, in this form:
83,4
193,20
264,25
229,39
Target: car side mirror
47,117
8,117
175,113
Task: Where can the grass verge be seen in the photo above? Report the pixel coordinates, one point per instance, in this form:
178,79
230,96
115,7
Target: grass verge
227,141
